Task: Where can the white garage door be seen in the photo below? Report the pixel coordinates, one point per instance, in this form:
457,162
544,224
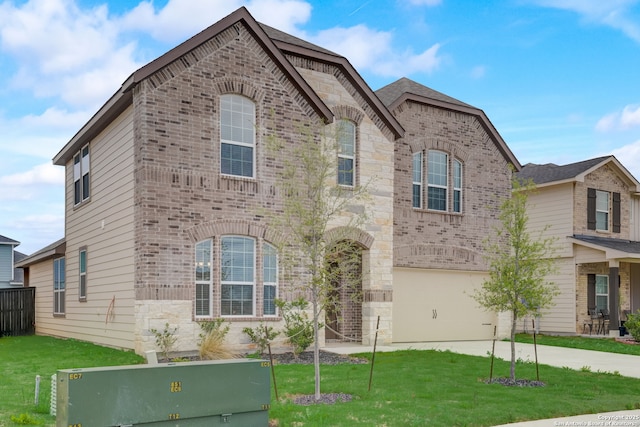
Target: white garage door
436,305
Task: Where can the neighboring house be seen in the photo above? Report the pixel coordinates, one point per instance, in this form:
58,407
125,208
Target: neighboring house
10,275
593,209
166,184
452,172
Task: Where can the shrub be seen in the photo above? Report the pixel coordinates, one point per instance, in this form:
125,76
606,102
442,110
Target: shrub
165,339
633,325
297,326
211,344
261,336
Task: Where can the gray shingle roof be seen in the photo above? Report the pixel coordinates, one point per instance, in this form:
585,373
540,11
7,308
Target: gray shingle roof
4,239
550,172
389,93
276,34
627,246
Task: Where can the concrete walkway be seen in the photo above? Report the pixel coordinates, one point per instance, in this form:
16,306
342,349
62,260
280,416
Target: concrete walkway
626,365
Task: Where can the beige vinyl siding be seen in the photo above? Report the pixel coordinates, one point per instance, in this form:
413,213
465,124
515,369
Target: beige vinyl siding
104,225
552,208
562,316
634,219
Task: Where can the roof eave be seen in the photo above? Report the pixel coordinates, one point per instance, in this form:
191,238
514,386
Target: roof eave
484,120
57,249
353,76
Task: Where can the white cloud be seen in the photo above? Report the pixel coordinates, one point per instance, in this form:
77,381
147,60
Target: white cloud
44,174
373,50
180,19
623,120
613,13
478,72
629,155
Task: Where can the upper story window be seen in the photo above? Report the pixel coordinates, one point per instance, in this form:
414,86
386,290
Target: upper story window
346,153
81,181
437,180
417,180
603,210
59,286
237,136
457,186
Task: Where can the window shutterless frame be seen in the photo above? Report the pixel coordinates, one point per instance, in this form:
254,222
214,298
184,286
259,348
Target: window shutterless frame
237,136
82,269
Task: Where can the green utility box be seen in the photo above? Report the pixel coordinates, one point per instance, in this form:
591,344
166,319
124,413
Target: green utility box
226,393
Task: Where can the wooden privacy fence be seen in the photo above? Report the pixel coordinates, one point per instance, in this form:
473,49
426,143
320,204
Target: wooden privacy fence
17,311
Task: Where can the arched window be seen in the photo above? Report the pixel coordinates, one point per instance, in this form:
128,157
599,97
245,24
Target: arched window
237,136
346,153
437,175
444,181
270,279
237,276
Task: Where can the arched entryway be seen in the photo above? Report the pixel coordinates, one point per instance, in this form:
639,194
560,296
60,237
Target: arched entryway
343,311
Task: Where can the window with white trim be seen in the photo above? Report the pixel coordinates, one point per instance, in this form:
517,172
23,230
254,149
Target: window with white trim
346,153
237,136
437,177
417,180
602,210
59,286
270,279
457,186
237,271
602,292
82,280
81,180
203,304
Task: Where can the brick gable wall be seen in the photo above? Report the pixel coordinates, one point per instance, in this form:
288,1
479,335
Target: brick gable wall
428,239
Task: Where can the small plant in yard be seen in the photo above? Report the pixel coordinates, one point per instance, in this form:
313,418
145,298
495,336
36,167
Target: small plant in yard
211,344
165,339
261,336
633,325
25,419
297,326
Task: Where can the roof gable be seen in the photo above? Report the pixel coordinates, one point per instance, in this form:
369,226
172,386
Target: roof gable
552,174
124,96
407,90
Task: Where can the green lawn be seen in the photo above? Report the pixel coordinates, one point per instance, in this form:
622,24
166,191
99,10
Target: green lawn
609,345
410,388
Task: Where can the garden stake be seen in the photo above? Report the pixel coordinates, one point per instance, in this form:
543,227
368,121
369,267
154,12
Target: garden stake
373,357
535,348
273,372
493,350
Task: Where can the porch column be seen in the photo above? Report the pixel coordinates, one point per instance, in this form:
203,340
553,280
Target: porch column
614,292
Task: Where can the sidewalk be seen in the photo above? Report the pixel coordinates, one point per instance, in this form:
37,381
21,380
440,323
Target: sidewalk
626,365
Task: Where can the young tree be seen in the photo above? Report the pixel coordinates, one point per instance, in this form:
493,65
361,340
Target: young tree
314,204
518,265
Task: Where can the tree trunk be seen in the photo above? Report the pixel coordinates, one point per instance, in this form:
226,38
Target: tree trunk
316,347
513,345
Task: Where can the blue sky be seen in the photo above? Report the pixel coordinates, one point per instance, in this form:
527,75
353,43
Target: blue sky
559,79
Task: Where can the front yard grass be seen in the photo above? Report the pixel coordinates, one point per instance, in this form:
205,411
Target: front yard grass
609,345
410,388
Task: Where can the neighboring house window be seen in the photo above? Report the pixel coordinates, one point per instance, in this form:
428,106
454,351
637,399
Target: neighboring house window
82,262
602,210
81,181
270,279
59,286
238,273
457,186
417,180
203,279
237,135
602,292
599,205
437,173
346,153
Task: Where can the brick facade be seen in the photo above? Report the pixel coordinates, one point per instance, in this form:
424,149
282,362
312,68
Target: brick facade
447,240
